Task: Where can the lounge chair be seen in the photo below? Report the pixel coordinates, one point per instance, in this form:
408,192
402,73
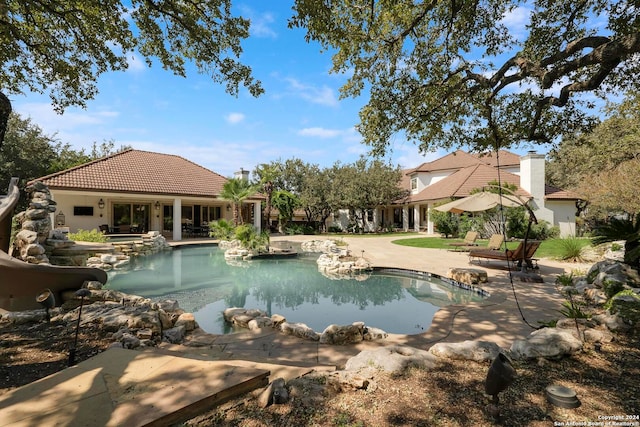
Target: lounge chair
495,242
517,255
469,240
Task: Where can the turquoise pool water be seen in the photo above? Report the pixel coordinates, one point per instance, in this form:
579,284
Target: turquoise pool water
203,283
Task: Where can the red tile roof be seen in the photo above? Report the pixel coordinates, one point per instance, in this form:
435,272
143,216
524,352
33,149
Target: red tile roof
461,159
554,193
460,183
135,171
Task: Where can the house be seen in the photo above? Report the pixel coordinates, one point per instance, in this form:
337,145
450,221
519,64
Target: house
457,174
138,191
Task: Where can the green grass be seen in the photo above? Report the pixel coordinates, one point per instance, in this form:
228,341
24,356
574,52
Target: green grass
551,248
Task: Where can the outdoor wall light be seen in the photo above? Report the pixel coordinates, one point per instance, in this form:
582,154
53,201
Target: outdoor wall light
101,204
228,208
157,205
60,219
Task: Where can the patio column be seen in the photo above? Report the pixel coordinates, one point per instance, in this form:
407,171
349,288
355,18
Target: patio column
429,221
257,216
177,219
416,218
405,218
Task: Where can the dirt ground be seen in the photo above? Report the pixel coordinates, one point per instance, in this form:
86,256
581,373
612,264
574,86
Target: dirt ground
606,380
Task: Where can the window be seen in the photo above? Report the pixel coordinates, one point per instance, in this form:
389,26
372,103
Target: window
211,213
83,210
414,184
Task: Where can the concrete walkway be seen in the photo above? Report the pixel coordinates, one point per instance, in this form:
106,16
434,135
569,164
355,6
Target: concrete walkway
126,387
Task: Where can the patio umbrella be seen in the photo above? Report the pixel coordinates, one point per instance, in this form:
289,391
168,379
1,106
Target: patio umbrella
481,201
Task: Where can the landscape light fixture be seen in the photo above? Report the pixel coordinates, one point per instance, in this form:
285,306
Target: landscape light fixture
47,300
83,292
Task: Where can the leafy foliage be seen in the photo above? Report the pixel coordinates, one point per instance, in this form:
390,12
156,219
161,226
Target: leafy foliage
221,229
446,223
435,70
237,190
622,229
571,249
286,203
62,46
573,310
93,235
251,239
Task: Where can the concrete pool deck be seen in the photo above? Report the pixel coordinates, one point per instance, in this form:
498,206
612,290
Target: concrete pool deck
128,387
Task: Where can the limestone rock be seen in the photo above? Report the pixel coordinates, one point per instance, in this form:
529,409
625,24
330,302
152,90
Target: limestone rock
260,323
549,343
395,359
478,351
174,335
299,330
187,320
335,334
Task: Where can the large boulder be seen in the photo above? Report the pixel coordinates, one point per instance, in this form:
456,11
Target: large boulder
549,343
394,359
478,351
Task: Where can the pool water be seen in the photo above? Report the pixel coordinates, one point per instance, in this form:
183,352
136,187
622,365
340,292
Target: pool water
203,283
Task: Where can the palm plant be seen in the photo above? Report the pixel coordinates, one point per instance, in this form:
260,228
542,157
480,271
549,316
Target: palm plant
237,190
267,173
622,229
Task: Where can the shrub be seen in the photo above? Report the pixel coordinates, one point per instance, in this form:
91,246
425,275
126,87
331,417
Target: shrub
628,308
571,249
88,236
612,287
446,223
543,230
565,279
250,238
335,229
221,229
572,310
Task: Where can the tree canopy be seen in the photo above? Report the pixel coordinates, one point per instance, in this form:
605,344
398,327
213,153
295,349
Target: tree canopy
579,157
456,73
63,46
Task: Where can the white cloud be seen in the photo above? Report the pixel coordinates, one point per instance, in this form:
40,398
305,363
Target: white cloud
318,132
516,21
234,118
260,23
260,26
44,115
135,63
318,95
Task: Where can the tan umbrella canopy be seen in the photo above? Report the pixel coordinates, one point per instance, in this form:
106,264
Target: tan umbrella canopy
481,201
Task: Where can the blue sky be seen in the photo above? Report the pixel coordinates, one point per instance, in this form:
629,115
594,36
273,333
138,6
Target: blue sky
299,115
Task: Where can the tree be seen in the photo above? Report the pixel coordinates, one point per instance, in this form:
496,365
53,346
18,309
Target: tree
578,158
613,191
28,152
237,190
365,185
67,157
314,196
63,46
286,203
452,73
267,174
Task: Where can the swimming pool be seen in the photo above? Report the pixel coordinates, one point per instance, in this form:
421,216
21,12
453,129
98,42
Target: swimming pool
202,282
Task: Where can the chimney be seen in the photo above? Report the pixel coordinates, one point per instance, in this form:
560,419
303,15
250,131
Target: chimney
242,174
532,176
